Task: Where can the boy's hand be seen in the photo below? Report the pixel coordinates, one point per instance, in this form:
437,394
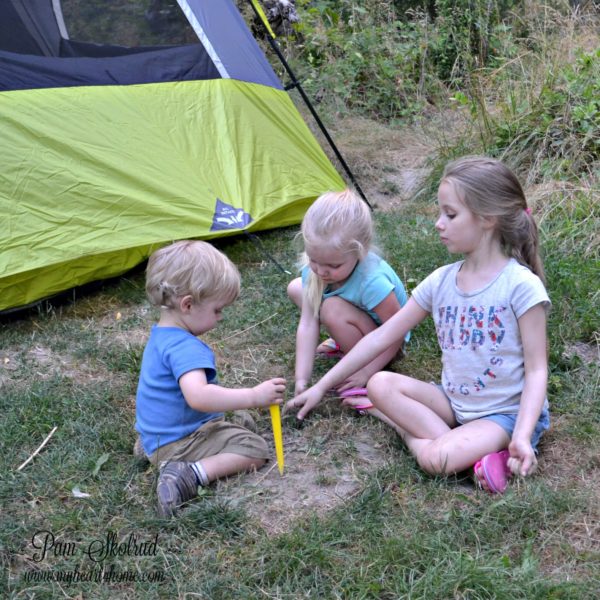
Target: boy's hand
307,400
522,459
269,392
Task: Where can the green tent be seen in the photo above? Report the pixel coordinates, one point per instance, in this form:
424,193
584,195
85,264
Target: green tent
109,151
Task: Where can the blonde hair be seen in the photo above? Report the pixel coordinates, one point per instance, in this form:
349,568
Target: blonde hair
192,268
490,189
340,221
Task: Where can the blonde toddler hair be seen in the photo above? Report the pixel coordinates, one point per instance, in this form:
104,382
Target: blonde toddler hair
490,189
190,267
340,221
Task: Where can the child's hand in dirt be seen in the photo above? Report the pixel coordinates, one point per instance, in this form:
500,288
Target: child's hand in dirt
269,392
306,401
300,387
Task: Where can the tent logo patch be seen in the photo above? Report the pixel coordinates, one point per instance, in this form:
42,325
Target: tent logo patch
229,217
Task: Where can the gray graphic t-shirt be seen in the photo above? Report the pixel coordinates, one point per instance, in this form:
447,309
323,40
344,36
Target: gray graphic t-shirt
478,332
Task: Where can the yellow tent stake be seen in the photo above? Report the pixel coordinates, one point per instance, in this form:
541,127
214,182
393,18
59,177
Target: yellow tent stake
276,423
263,17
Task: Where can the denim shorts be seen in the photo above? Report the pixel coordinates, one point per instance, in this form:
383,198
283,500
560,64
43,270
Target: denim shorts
508,421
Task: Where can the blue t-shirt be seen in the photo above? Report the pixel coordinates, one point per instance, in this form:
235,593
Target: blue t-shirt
370,283
162,414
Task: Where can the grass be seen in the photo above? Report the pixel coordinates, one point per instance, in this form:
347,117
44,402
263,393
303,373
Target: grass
400,535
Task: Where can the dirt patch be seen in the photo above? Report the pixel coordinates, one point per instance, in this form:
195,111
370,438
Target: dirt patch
389,163
330,460
588,353
127,326
39,360
572,465
326,463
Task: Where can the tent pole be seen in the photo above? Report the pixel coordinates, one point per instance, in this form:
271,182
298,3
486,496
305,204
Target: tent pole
296,84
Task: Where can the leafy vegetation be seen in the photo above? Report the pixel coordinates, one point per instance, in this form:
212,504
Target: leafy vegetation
550,127
392,59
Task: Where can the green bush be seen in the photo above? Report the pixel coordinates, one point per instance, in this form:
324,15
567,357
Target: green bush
469,35
389,60
557,128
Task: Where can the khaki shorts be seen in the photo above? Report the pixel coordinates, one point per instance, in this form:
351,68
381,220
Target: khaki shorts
214,437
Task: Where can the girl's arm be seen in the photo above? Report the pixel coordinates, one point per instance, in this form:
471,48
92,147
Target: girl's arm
307,339
532,327
391,332
208,397
385,310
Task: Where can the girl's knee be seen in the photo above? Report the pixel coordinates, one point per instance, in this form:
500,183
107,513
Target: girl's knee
379,382
332,310
385,382
294,291
342,319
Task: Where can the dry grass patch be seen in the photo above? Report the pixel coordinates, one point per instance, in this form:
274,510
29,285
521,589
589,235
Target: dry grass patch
327,462
571,466
388,162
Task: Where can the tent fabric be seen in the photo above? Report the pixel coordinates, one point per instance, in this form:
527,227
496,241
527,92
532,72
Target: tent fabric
75,49
22,72
221,25
29,27
97,173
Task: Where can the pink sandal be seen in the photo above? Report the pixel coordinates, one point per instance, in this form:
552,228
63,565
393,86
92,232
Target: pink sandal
329,349
493,470
362,407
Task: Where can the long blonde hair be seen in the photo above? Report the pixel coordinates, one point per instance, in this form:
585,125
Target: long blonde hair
190,267
490,189
340,221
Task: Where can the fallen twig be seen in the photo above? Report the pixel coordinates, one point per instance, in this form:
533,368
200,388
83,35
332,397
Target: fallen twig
264,475
38,450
